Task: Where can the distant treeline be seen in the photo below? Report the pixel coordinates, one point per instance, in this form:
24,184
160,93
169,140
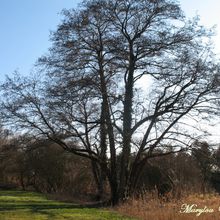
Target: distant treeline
45,167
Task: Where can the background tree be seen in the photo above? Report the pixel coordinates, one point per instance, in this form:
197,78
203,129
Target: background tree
121,76
217,158
203,155
215,174
41,165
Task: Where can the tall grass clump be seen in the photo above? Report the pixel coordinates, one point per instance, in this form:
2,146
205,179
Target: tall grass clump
188,207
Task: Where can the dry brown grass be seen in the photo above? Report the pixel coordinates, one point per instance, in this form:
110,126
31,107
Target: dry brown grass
150,208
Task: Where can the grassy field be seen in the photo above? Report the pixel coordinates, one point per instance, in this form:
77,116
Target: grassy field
19,205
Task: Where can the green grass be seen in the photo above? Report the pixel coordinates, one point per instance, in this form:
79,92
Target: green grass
20,205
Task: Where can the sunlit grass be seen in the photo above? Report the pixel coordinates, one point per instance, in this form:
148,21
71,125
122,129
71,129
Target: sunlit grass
19,205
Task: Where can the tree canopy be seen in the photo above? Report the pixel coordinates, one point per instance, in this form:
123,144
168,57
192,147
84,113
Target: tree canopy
118,86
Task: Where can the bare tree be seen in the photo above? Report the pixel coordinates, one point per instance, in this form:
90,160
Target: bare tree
122,77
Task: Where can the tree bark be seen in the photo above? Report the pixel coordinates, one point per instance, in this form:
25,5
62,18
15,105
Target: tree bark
110,131
127,131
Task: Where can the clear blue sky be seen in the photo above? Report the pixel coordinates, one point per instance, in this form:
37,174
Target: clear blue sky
25,26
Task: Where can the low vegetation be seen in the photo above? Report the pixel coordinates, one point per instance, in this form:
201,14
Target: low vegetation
189,207
20,205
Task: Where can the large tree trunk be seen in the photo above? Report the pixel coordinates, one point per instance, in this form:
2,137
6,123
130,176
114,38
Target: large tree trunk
114,191
127,131
99,180
109,131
